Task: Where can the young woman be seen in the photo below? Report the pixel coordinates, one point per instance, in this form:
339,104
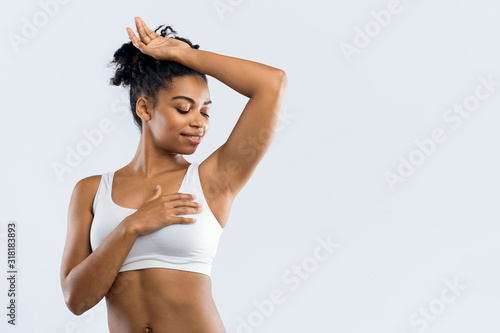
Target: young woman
138,236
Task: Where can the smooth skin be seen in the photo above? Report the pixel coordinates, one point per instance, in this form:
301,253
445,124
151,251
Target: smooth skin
158,299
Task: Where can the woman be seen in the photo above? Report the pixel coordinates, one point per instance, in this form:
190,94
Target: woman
125,238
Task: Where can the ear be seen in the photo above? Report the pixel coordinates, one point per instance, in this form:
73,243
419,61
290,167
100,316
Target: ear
143,108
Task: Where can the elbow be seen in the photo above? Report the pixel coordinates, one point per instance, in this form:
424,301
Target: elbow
71,305
282,78
74,301
76,307
281,81
281,74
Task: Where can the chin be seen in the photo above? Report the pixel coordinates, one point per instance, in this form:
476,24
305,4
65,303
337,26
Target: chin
189,153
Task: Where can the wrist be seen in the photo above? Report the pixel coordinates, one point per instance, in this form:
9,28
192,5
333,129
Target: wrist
130,227
182,54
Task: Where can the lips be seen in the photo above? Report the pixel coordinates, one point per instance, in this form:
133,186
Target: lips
193,140
194,135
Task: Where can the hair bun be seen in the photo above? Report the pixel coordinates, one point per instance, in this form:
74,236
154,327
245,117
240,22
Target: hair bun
165,33
126,65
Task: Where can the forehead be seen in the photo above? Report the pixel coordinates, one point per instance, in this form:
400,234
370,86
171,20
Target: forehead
191,86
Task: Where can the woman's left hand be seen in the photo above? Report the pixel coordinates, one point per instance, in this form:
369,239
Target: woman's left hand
154,45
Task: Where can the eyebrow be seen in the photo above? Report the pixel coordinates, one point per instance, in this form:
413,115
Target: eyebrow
190,100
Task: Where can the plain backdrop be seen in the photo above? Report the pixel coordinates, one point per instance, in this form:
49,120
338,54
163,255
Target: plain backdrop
376,209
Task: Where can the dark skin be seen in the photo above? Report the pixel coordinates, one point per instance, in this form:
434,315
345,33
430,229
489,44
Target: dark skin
158,299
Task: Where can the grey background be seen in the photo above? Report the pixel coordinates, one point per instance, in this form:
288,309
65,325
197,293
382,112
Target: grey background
349,120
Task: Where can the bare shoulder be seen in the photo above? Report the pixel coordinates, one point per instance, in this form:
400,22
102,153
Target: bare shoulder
89,183
85,190
80,216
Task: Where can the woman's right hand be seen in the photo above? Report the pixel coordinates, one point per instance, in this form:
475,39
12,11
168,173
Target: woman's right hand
154,45
160,211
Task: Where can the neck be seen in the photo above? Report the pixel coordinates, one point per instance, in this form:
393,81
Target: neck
150,160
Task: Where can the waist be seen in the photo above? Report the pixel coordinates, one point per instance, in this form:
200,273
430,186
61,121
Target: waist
158,297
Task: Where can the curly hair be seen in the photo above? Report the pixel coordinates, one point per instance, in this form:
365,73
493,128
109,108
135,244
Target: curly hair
146,75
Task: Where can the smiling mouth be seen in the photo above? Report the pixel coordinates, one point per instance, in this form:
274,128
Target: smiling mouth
195,140
192,136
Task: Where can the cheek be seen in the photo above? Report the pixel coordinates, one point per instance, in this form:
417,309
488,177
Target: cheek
172,122
166,125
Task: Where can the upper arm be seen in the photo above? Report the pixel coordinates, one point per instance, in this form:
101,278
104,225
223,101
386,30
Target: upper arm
253,133
80,217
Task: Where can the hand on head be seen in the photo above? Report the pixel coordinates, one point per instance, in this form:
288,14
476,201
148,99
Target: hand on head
154,45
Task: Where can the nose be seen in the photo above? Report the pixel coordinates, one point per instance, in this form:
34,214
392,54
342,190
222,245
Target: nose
197,119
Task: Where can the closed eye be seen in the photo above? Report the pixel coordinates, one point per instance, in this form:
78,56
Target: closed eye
184,112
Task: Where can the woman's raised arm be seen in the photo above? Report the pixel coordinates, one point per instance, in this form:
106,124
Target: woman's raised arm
264,85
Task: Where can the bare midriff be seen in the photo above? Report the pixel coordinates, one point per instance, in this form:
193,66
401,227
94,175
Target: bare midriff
159,300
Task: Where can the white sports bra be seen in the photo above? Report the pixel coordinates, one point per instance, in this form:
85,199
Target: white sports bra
188,247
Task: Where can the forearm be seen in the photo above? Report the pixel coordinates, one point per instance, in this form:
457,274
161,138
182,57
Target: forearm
245,76
89,281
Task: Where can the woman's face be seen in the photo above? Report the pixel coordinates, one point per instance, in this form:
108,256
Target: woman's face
181,111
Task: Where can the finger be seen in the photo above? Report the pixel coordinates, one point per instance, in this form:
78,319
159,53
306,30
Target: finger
187,210
179,205
151,34
144,32
184,220
156,193
178,196
137,43
182,203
